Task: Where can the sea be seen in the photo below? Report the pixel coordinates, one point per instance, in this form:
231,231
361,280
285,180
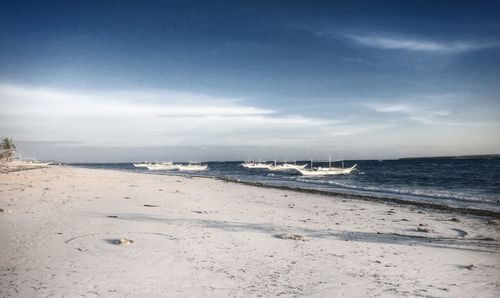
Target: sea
472,183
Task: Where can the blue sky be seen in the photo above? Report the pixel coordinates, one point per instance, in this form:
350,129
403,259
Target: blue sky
206,80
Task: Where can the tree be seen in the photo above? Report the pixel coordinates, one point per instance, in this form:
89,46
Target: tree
7,148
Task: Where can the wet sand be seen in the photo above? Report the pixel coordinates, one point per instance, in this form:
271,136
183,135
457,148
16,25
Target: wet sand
69,232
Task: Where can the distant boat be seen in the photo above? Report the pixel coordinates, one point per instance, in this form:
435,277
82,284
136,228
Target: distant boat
286,167
165,166
327,171
142,164
192,166
37,163
256,165
29,163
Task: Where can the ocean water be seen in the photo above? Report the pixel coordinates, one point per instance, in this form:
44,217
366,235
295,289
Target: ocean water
464,183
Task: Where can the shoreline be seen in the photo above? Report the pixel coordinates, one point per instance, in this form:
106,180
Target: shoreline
372,198
401,202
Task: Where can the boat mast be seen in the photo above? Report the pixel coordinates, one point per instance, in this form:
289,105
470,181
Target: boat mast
329,161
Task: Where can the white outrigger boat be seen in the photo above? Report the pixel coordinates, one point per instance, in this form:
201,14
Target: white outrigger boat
256,165
286,167
327,171
39,164
166,166
142,165
192,166
30,161
33,163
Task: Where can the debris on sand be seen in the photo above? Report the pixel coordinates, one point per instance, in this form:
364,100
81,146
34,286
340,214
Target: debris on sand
112,216
1,210
122,241
149,205
468,267
290,236
204,212
424,230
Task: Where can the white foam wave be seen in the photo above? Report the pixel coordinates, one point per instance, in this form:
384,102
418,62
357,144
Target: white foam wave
428,193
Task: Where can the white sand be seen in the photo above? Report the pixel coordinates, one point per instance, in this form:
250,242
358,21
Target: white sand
215,239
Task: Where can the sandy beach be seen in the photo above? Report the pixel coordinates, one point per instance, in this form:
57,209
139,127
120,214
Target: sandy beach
71,232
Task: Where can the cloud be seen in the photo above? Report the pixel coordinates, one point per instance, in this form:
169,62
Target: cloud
393,108
440,113
158,118
423,114
419,45
27,100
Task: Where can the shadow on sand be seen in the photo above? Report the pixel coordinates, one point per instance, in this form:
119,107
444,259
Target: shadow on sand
472,244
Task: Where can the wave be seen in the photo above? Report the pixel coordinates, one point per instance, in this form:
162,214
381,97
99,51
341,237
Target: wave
417,192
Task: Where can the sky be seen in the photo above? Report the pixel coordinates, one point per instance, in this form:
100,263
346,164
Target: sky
117,81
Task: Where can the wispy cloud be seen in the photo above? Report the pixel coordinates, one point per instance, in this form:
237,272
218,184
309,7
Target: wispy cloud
158,117
423,114
421,45
392,108
121,102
